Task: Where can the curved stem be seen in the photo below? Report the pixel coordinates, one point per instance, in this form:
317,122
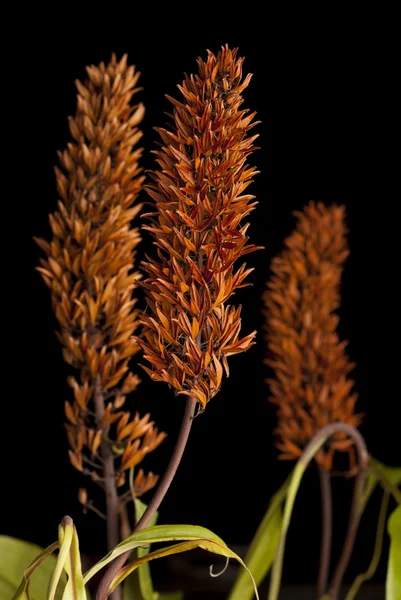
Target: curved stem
172,466
314,445
325,550
157,498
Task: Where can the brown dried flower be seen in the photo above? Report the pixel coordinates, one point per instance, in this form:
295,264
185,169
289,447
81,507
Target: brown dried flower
200,197
88,268
311,386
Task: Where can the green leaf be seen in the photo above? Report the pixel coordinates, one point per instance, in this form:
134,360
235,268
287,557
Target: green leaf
199,537
139,585
151,535
171,596
204,543
23,570
6,588
388,477
75,589
68,560
65,542
262,550
393,474
393,581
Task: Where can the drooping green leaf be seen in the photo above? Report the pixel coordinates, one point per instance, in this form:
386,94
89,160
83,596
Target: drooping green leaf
152,535
139,585
65,543
74,589
393,474
388,477
293,486
68,561
380,473
24,569
393,581
6,588
262,550
171,596
204,543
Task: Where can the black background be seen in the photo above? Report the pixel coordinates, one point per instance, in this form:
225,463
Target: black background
326,106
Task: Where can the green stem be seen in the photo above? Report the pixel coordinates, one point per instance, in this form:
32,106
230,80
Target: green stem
381,524
386,483
314,445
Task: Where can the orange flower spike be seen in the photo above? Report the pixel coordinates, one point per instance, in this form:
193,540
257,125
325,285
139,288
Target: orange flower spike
200,201
312,387
90,260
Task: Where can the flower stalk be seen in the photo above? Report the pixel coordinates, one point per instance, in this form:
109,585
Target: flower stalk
307,456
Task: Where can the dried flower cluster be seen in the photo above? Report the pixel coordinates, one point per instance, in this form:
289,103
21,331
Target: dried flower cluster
88,268
311,386
199,192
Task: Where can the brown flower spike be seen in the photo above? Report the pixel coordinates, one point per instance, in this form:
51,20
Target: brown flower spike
311,386
88,268
201,199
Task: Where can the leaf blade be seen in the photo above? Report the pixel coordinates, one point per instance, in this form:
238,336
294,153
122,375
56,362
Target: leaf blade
393,580
65,539
388,477
139,585
262,549
205,544
150,535
15,554
75,589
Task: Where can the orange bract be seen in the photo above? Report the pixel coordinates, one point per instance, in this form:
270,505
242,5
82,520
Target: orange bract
200,200
89,266
311,386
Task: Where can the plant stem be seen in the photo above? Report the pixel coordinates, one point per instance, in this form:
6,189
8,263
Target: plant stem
172,466
125,524
325,550
112,502
158,496
309,452
354,518
381,526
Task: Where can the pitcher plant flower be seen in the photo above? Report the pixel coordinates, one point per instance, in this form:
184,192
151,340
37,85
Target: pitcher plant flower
89,271
311,385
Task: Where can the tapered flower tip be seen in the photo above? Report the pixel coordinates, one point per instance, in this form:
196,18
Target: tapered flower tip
200,199
311,387
89,268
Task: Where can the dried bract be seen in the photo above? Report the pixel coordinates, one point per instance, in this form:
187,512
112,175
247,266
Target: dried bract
200,195
89,268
